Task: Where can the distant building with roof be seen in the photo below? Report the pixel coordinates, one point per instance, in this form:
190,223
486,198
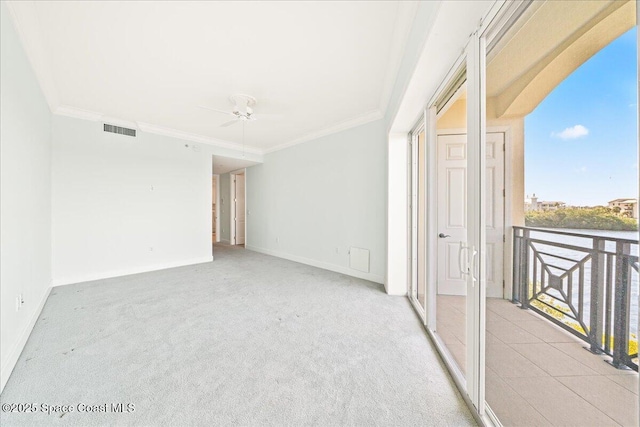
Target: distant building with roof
533,204
628,207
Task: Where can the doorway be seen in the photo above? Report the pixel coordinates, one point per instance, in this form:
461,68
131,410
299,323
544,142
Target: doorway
238,208
452,211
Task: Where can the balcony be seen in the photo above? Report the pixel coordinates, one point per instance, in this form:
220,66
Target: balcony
564,351
585,284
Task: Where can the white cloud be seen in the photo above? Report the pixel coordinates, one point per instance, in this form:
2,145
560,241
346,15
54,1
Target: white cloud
571,133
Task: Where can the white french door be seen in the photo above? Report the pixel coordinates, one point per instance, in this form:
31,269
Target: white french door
452,211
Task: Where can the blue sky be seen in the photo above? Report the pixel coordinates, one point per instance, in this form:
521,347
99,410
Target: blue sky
580,142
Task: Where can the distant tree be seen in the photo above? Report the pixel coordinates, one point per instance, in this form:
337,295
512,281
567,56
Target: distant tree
593,218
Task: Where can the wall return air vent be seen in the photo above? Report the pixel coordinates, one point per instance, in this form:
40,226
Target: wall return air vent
119,130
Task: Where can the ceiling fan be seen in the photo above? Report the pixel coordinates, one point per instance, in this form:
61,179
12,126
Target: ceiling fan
242,110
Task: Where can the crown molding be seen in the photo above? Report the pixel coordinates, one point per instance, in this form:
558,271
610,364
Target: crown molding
341,126
25,20
78,113
174,133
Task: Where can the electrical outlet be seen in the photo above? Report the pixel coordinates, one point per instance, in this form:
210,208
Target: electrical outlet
18,303
277,240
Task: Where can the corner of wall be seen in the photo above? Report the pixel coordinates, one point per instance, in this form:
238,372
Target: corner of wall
16,350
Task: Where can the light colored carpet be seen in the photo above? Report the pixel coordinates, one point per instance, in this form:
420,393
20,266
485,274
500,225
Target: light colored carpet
248,339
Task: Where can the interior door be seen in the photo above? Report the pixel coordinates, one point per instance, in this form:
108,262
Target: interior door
213,209
239,210
452,212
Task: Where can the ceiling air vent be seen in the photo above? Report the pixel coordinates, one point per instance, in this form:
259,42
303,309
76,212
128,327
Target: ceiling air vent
119,130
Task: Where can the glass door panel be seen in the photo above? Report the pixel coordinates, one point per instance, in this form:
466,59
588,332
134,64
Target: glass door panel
451,225
421,225
417,219
570,290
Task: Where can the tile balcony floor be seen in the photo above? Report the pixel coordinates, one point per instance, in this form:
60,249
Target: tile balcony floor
538,374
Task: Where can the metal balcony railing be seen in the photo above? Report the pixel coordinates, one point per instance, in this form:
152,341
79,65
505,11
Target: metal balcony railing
586,284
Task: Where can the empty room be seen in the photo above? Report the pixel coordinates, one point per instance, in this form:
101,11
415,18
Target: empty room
331,213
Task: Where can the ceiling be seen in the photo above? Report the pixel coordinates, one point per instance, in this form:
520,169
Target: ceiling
323,66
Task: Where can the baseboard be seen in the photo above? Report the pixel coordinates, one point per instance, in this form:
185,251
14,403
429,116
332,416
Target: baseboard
320,264
15,352
127,272
225,241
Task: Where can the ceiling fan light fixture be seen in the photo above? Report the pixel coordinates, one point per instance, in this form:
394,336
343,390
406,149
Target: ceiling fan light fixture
242,100
242,109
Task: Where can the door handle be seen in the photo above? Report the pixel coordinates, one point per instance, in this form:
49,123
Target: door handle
473,270
443,236
472,263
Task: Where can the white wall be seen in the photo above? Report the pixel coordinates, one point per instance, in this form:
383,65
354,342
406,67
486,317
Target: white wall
313,201
124,205
25,197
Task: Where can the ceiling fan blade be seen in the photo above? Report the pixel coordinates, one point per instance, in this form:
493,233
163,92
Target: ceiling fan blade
216,110
232,122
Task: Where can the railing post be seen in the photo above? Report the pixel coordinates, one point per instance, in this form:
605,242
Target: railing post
524,270
515,283
621,306
596,311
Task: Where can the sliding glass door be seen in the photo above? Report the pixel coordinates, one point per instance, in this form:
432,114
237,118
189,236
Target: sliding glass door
511,298
568,267
417,218
448,241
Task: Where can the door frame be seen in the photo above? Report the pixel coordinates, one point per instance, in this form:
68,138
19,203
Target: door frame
507,266
472,64
414,185
216,223
501,15
232,208
431,117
